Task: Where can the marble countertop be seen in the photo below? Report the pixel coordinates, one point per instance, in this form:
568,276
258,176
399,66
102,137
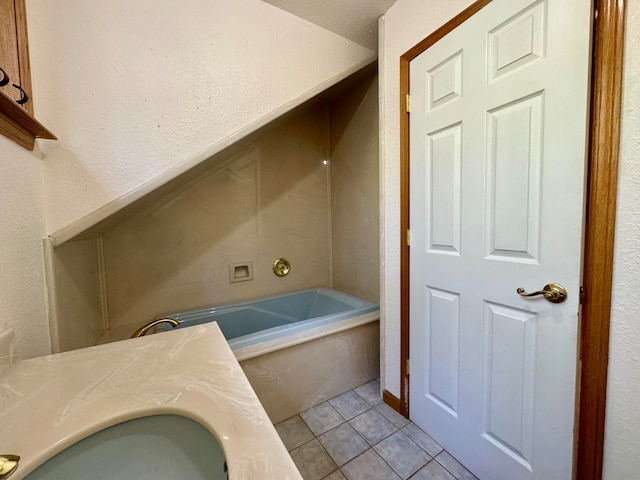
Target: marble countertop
49,403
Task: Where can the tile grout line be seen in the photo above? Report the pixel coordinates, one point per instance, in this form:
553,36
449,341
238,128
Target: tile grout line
370,446
322,445
433,459
411,440
445,468
329,455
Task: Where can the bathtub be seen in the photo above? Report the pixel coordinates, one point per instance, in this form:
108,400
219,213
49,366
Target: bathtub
298,349
265,320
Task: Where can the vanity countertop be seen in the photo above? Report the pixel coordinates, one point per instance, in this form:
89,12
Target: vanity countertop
49,403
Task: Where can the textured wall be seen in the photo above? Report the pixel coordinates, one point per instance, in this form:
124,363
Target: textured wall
355,19
404,25
135,89
270,200
622,433
22,296
354,191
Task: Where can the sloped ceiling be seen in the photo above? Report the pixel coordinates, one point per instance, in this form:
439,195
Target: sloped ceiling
356,20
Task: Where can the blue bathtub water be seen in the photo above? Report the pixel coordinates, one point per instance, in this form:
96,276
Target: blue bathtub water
248,323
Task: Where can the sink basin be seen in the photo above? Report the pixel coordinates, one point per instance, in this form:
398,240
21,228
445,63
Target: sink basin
122,410
159,447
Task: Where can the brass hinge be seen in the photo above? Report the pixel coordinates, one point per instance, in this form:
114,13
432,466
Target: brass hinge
408,103
408,238
408,366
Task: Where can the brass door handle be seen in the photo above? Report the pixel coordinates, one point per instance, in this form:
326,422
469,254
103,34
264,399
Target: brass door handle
554,292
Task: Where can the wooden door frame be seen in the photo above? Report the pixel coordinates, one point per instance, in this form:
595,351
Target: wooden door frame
602,179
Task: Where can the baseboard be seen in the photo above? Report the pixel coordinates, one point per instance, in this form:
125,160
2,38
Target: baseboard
394,402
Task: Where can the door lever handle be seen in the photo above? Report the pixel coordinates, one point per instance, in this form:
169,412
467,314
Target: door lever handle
554,292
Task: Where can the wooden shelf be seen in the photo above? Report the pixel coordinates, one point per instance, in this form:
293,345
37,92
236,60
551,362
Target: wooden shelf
18,124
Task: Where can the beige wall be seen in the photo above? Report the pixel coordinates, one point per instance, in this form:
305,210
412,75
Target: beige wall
354,191
139,91
76,315
136,98
267,197
22,293
268,201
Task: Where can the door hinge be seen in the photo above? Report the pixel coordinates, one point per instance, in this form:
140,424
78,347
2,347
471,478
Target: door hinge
408,103
408,366
408,238
583,295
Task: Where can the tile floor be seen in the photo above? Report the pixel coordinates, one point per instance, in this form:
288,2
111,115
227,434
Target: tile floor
355,436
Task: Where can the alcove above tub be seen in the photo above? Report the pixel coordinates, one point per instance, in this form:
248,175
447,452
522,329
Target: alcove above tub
304,187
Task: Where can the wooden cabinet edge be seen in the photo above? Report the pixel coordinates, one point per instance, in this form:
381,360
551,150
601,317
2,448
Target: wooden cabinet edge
18,125
17,134
23,52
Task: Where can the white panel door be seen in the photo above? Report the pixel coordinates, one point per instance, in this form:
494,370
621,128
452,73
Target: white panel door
497,160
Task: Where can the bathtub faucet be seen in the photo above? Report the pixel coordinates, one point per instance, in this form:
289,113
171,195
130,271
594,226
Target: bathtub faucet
8,465
148,326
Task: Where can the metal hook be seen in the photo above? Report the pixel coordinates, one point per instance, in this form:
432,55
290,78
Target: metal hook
24,98
5,78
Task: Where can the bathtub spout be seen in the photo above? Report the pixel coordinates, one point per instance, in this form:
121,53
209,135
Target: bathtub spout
8,465
145,328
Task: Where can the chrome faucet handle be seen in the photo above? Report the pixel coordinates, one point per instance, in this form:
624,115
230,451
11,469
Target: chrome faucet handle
148,326
8,465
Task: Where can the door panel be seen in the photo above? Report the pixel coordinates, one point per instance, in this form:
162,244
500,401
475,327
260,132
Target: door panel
442,338
497,155
513,175
509,380
517,41
444,176
444,82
